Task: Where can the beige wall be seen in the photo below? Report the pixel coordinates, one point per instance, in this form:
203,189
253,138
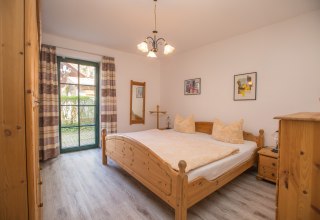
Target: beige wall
128,67
286,57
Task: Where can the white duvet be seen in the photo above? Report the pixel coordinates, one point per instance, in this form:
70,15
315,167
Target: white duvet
174,146
159,140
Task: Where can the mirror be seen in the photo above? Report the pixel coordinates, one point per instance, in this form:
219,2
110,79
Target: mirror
137,102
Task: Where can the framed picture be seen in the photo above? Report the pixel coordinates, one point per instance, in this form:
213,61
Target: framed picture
245,86
139,92
192,86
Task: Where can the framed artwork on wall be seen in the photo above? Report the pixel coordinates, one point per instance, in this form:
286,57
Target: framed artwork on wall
192,86
245,86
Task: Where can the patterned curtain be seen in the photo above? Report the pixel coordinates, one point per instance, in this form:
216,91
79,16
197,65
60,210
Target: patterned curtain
49,106
108,99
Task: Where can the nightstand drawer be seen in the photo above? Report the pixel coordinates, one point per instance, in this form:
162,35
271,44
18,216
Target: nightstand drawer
268,162
268,173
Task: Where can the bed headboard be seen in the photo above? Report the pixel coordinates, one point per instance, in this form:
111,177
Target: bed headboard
206,127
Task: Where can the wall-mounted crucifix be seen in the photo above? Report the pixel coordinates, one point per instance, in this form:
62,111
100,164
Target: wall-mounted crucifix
158,112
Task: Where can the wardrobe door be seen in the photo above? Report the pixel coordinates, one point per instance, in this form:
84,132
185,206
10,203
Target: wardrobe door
289,170
13,173
287,151
298,196
32,106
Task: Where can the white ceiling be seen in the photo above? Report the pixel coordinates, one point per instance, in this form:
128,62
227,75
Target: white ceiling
188,24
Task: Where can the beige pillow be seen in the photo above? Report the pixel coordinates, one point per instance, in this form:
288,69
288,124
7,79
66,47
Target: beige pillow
232,133
185,125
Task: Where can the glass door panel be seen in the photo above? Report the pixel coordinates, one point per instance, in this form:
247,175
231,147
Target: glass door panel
87,95
87,115
79,101
69,116
69,137
68,94
87,75
69,72
87,135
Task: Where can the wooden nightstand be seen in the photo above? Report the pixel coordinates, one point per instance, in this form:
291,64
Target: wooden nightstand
268,163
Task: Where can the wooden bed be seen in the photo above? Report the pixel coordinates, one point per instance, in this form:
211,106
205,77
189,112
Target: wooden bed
170,185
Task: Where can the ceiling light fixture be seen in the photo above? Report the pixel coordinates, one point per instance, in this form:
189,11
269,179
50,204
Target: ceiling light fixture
151,44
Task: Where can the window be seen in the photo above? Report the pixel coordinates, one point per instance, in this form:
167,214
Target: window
79,104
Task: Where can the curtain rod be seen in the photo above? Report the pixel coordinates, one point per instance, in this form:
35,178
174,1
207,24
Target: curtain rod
96,54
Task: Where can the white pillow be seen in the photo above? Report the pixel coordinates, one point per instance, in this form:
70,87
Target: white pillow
232,133
185,125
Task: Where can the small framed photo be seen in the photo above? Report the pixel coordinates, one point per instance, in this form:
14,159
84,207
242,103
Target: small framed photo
192,86
139,92
245,86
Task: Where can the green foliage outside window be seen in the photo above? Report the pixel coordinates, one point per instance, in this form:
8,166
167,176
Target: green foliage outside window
69,116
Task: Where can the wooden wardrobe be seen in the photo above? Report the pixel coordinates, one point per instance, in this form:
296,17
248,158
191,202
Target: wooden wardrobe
20,183
298,187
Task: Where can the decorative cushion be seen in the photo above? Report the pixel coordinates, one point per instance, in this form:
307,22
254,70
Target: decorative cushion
232,133
185,125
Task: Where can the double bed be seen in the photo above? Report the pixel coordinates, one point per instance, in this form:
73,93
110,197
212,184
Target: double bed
171,169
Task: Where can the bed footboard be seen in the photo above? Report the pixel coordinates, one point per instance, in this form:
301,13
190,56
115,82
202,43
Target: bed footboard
148,168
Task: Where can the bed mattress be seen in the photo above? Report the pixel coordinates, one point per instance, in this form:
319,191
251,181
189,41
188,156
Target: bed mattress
214,170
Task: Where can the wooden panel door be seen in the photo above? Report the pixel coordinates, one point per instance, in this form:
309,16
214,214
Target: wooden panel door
13,173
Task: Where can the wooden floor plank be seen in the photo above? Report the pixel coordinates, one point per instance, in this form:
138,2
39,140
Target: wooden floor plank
77,186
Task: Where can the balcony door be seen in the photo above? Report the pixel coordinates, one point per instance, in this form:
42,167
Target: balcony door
79,104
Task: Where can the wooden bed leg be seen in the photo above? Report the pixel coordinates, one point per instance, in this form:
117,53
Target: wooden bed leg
181,207
104,146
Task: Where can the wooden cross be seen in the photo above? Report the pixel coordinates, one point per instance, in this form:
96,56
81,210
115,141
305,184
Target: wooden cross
158,112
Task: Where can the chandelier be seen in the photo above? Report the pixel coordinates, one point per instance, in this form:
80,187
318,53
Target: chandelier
151,44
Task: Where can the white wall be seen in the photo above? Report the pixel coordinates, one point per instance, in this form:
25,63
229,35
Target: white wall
128,67
286,57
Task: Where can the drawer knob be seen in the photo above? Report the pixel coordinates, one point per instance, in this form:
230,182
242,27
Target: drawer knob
274,164
41,204
273,174
40,182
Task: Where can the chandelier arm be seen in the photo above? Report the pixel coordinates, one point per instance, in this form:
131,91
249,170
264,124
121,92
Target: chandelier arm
160,39
151,41
150,38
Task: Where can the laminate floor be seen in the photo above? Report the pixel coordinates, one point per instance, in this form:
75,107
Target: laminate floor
77,186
